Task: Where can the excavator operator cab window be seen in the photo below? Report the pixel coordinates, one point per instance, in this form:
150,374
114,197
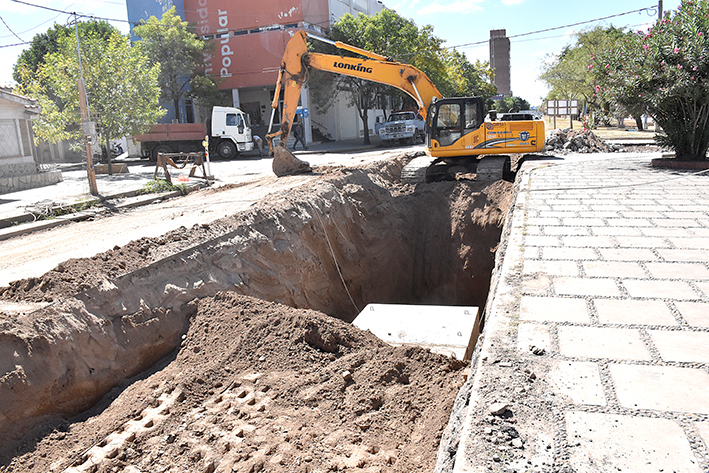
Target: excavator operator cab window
472,120
447,126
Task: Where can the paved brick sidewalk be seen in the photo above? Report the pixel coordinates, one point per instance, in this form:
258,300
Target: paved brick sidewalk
606,270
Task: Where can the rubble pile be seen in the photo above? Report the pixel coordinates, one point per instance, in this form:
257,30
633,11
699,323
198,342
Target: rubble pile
577,141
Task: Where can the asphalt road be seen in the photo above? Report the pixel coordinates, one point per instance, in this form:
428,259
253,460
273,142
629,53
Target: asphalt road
34,254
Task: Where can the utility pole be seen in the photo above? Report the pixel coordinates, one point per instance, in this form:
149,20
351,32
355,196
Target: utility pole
85,117
659,10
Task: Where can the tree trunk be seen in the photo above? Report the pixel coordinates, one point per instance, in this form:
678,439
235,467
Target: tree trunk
365,122
176,104
108,152
639,122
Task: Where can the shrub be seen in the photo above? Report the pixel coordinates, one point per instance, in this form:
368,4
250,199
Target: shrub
666,71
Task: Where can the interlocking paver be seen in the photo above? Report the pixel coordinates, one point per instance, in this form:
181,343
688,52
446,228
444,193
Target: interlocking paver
583,222
627,254
613,269
595,342
684,255
598,214
665,388
698,243
678,270
695,313
643,242
531,334
592,241
535,284
542,240
580,381
566,230
642,214
553,309
586,286
543,221
628,311
678,290
570,253
551,267
675,222
616,231
666,232
606,443
629,222
686,346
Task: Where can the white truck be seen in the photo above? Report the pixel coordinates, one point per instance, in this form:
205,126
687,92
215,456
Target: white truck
403,126
229,131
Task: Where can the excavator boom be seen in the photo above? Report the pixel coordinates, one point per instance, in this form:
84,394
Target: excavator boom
293,74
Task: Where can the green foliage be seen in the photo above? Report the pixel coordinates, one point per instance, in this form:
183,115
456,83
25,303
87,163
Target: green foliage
157,186
391,35
121,88
667,71
567,74
46,43
509,104
169,43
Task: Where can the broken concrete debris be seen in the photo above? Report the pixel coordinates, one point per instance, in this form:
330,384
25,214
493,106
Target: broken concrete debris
577,141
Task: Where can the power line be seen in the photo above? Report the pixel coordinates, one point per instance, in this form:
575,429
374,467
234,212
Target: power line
654,7
10,29
646,9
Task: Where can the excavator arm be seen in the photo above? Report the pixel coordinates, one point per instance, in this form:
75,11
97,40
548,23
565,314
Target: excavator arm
375,68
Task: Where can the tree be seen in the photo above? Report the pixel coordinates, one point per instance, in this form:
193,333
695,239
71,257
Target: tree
568,75
391,35
511,104
666,70
121,88
46,43
170,43
465,79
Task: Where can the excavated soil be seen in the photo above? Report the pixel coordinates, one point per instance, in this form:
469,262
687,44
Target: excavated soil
267,376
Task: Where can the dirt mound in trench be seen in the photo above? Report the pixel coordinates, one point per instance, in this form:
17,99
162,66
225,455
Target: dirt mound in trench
257,386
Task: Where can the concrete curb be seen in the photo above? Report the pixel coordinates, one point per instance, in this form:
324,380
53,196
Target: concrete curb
18,225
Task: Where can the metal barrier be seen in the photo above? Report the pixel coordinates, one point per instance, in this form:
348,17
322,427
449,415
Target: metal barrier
165,159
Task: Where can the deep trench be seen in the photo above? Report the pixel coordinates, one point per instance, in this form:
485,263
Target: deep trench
432,244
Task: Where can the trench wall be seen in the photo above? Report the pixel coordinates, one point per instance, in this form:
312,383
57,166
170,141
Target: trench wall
433,244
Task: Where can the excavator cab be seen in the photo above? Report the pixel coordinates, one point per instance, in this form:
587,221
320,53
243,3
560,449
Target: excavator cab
450,120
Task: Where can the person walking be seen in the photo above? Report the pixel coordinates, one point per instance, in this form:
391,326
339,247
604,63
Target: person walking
258,142
298,135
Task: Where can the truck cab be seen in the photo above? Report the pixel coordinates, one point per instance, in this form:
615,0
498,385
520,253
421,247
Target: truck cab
403,126
231,129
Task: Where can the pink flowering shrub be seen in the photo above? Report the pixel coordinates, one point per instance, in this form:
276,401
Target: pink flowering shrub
664,71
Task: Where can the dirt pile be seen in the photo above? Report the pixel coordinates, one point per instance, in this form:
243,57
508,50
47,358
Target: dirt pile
576,141
257,386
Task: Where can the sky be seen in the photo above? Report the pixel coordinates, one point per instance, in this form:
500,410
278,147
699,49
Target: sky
458,22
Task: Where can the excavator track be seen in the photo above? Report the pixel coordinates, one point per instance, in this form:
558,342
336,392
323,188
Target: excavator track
425,169
415,172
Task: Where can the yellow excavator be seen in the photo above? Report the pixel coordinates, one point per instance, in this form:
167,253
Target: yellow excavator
456,128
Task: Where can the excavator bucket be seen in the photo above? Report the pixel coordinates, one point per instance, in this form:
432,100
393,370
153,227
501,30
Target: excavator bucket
285,163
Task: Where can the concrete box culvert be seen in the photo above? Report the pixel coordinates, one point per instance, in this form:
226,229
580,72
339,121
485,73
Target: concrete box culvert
432,244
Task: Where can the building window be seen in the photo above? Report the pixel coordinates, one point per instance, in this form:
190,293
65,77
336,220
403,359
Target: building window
9,140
